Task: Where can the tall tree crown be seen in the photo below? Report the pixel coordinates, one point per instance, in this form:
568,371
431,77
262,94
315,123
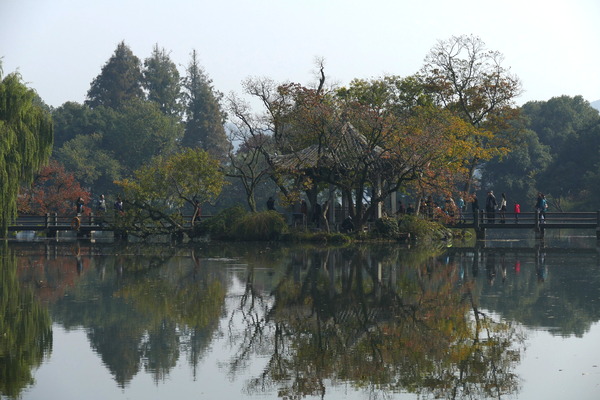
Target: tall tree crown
162,81
119,81
204,114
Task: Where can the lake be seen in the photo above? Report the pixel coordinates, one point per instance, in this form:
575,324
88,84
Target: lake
505,318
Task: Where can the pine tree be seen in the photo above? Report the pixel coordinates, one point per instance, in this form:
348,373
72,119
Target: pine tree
204,115
119,81
162,82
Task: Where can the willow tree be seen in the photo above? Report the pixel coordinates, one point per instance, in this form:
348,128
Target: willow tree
26,137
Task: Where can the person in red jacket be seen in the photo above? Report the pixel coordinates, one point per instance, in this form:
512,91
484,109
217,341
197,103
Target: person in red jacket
517,211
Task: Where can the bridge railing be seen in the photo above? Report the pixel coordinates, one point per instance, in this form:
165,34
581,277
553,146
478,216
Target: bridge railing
63,222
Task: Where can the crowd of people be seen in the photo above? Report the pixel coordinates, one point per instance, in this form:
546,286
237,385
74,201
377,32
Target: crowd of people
493,209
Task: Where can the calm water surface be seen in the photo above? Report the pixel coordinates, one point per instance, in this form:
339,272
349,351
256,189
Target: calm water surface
504,319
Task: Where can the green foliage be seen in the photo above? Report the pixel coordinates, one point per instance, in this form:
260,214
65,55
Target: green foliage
174,180
25,326
26,137
205,117
91,164
120,80
265,225
138,132
238,224
221,225
556,153
162,81
387,227
422,230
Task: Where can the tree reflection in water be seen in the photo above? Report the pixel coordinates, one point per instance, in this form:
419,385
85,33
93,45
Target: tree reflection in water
25,329
380,322
383,319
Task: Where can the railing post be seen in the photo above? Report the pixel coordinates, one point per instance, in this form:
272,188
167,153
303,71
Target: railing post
479,230
47,221
598,225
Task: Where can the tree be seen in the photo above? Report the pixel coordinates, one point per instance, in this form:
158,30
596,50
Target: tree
91,164
26,329
204,115
517,173
470,81
159,190
72,119
162,81
119,81
53,190
249,162
26,136
139,131
570,127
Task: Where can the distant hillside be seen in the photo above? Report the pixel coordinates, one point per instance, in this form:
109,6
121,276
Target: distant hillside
596,104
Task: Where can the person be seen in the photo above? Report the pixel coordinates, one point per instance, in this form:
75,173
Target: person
271,204
347,225
102,203
460,204
541,206
119,204
490,207
79,205
502,209
517,211
475,207
401,209
450,207
410,210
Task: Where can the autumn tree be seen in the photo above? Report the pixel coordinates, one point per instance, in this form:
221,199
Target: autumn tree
119,81
204,116
26,137
54,190
466,78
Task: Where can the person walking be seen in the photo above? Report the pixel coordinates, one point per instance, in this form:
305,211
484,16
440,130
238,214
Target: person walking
541,206
102,203
79,205
490,207
502,209
517,211
475,207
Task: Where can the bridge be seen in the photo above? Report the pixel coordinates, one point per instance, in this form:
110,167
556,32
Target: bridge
84,225
532,221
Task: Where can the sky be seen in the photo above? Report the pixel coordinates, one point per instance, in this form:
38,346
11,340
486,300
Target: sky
60,46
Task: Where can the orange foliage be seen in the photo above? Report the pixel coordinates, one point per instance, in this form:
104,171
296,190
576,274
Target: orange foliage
54,190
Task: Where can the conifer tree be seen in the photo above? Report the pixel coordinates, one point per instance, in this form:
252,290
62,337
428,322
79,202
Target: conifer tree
119,81
204,115
162,81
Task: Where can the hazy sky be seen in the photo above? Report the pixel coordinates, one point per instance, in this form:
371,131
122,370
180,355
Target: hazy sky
60,46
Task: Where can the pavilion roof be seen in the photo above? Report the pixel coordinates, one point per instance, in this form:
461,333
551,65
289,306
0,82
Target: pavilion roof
344,153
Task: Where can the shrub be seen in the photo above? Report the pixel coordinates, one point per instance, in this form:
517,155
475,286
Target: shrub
265,225
386,227
421,229
221,225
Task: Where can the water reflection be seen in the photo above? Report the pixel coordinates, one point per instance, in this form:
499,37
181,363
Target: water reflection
383,319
